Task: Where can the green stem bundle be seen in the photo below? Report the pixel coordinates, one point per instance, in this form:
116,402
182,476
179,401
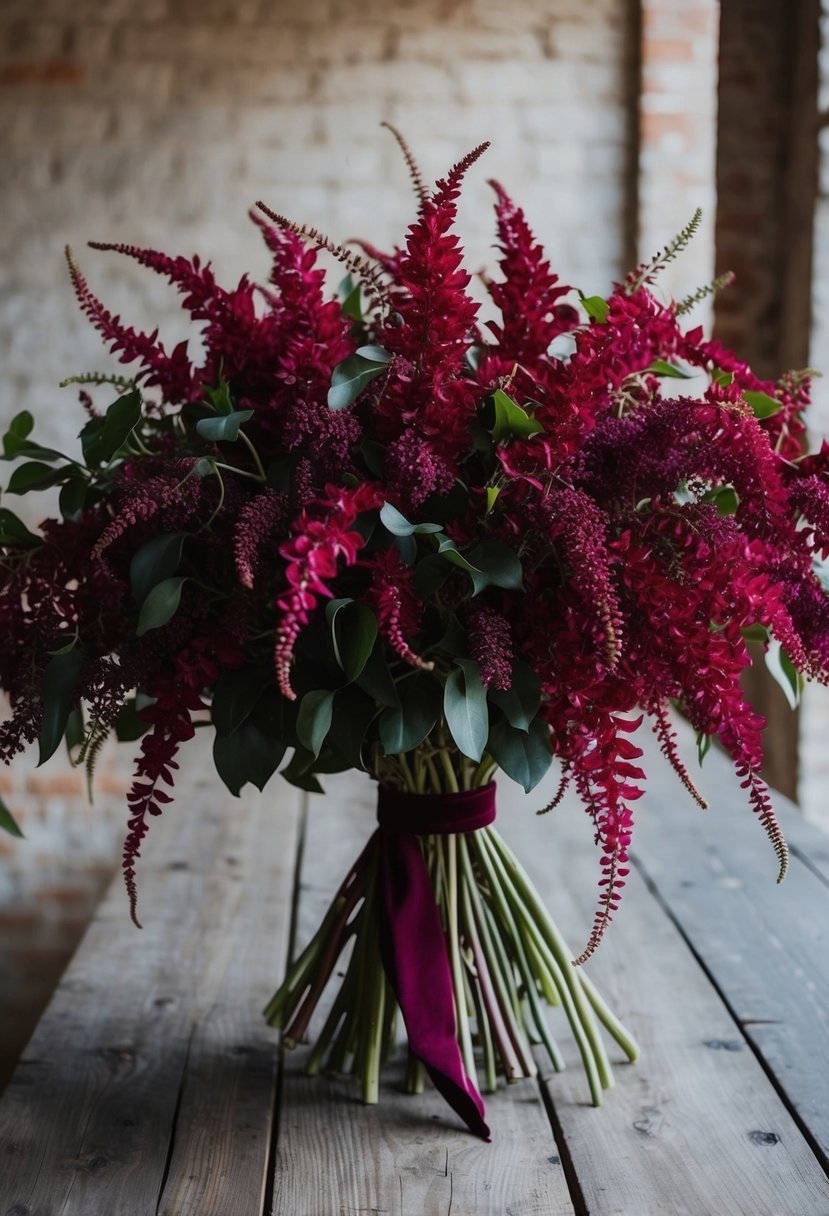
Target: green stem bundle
507,960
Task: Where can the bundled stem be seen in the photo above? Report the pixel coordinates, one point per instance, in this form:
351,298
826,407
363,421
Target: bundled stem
506,956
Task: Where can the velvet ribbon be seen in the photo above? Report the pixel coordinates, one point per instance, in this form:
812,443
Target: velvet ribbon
412,942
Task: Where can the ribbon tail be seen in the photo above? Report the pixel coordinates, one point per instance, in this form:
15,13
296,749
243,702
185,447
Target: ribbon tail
414,954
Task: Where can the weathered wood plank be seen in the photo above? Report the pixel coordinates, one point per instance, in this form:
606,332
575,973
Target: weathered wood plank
695,1126
87,1122
408,1156
218,1166
765,947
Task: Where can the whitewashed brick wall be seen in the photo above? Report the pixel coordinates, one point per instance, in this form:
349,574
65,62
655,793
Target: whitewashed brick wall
161,123
814,715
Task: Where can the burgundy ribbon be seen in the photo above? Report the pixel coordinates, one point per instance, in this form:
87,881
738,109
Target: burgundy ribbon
412,942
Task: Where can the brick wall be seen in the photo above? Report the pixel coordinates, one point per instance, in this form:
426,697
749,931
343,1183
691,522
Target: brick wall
814,716
161,123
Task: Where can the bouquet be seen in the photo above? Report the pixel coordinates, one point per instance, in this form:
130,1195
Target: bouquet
370,530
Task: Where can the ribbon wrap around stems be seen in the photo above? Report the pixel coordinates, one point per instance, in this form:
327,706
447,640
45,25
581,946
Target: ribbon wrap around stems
412,942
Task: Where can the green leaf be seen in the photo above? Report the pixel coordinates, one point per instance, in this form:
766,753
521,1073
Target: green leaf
726,499
59,695
431,572
73,497
314,719
74,733
464,707
596,307
219,397
784,673
492,493
723,378
450,551
297,772
755,633
762,405
520,702
235,696
8,822
376,680
510,420
494,565
35,475
224,429
660,368
21,425
128,725
348,293
354,711
404,728
523,755
158,559
161,605
16,436
354,632
398,525
375,353
703,745
350,377
13,532
101,438
247,755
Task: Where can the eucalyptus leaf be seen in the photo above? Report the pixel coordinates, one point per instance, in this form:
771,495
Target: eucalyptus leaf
314,719
376,680
224,429
350,377
246,755
523,755
398,525
494,565
465,709
354,632
235,695
354,711
59,696
404,728
298,772
155,561
161,605
520,702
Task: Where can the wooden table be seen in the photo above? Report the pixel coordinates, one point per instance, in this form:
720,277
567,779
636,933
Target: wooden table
152,1085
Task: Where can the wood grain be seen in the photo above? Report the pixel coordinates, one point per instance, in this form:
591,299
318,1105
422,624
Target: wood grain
765,947
88,1120
695,1126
